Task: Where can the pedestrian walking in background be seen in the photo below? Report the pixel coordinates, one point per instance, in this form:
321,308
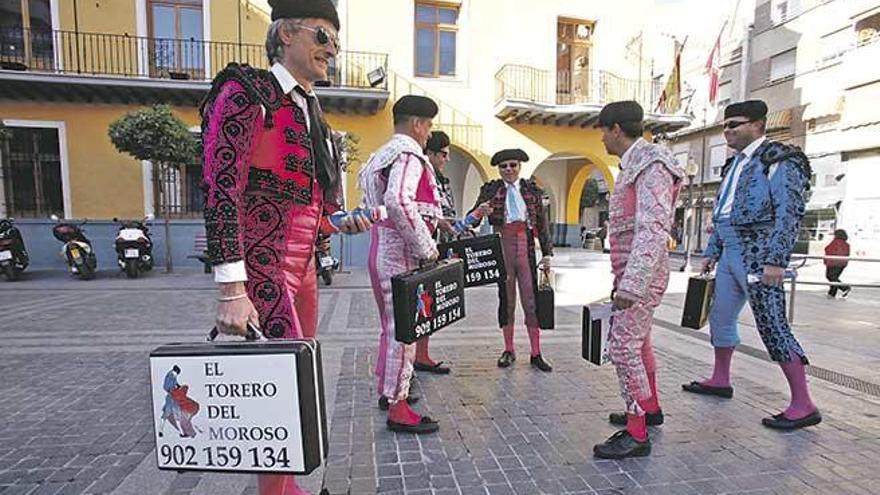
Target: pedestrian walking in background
833,267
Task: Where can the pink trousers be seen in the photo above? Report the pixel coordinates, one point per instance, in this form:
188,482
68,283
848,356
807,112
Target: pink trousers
302,289
389,256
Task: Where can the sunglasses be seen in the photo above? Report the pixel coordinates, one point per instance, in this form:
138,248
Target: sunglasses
733,124
506,165
323,37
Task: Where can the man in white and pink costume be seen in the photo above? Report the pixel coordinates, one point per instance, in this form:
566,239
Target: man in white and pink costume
641,212
400,178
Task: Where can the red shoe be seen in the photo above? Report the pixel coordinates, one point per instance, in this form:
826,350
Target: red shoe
404,420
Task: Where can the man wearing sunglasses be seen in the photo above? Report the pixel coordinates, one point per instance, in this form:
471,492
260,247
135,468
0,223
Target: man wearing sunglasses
641,211
515,209
437,151
272,178
757,214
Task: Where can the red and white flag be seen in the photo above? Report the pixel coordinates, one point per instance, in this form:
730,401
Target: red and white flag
713,67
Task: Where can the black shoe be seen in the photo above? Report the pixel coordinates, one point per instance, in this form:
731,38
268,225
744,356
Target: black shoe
436,368
699,388
620,446
651,419
540,363
383,402
507,358
780,422
427,425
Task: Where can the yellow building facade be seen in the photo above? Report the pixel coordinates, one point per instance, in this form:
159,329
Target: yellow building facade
505,73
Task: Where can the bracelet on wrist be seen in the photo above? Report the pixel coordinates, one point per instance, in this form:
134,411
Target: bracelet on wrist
232,298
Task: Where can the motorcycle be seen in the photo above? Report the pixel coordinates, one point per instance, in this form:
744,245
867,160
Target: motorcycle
134,247
13,255
325,263
77,249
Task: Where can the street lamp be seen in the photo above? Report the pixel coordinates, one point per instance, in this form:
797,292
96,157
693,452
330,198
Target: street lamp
691,171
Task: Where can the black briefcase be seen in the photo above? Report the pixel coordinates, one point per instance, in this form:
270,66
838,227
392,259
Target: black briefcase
427,299
698,302
545,304
239,407
483,258
595,327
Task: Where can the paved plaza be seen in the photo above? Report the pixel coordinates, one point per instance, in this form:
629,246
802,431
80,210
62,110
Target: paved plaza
77,419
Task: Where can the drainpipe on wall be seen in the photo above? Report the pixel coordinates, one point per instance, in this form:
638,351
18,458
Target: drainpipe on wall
745,63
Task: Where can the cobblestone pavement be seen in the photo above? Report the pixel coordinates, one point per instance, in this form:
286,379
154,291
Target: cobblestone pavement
75,400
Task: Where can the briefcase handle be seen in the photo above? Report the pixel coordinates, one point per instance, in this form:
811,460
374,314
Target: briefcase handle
253,333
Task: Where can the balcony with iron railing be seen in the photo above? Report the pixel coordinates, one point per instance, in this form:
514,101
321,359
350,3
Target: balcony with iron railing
529,95
165,60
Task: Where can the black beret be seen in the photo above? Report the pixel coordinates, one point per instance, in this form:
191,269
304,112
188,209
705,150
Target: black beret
509,154
437,141
416,106
305,9
750,109
619,112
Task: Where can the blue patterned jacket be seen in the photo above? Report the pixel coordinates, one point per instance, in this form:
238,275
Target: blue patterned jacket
769,202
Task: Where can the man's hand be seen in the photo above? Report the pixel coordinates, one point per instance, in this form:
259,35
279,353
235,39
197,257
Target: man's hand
773,276
544,264
708,266
233,316
446,226
433,256
355,224
485,209
623,300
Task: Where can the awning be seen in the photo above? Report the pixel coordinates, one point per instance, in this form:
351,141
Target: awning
824,107
779,120
861,106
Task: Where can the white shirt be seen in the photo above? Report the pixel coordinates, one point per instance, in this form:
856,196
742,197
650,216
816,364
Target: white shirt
733,175
517,196
628,151
235,271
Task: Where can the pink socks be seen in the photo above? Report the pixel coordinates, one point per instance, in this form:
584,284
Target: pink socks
637,427
401,413
535,340
721,372
801,404
652,404
422,352
508,338
278,484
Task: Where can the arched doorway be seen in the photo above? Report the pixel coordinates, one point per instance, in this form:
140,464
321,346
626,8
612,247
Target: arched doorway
465,178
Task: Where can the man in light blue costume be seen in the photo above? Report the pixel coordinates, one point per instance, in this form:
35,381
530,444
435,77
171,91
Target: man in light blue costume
757,215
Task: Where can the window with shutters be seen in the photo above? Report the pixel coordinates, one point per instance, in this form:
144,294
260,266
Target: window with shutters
436,29
31,172
783,66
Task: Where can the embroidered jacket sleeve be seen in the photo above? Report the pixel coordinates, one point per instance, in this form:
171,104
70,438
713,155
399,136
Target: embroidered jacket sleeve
787,186
654,194
400,200
542,223
232,123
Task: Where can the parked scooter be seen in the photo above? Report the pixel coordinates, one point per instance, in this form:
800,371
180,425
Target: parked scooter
77,249
13,255
134,247
325,263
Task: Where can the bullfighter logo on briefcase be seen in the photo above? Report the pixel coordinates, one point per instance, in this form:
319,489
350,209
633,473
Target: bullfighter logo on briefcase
427,299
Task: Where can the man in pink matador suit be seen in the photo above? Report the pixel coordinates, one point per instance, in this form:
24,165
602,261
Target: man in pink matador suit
271,178
641,211
399,177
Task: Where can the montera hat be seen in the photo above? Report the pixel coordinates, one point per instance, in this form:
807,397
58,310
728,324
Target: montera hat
415,106
508,155
304,9
437,141
750,109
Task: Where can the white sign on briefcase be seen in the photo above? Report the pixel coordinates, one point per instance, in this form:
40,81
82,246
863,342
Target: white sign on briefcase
254,407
